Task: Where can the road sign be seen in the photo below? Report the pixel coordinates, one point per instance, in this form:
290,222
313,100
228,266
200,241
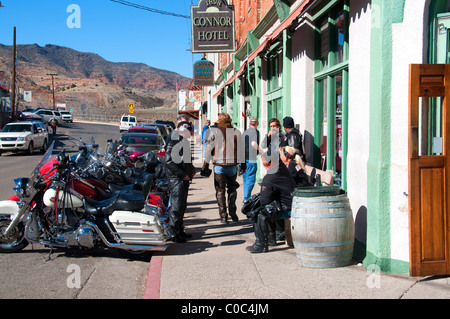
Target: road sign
131,107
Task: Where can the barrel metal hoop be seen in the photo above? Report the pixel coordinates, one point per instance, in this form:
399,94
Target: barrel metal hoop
325,259
339,198
322,216
335,253
332,244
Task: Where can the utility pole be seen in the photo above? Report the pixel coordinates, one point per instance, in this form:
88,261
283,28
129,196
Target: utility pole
13,84
53,89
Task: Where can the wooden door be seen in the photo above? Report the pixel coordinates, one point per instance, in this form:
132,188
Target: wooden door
429,182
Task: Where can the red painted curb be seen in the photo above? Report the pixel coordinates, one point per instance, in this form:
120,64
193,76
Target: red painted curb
153,283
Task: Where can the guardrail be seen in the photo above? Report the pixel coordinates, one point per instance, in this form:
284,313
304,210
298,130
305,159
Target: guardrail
105,118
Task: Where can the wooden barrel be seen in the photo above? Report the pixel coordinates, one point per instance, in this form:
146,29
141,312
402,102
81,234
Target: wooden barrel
323,230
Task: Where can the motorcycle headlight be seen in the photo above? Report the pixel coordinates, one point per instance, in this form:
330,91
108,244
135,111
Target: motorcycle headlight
21,185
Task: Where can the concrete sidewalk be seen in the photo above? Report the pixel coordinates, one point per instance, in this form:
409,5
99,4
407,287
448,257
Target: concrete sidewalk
215,265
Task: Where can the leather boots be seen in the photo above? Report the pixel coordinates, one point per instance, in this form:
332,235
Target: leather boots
229,185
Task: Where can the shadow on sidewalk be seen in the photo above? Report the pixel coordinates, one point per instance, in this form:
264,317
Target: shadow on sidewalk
188,248
207,234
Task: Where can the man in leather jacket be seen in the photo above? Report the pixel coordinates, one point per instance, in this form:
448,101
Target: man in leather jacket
293,137
179,173
227,154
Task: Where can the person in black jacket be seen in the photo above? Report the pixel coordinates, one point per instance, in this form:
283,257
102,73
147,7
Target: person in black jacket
293,137
180,172
291,158
276,187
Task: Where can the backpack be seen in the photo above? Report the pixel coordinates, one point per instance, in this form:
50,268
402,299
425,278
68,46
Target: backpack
252,208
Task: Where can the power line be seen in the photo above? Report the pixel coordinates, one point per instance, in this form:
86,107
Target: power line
138,6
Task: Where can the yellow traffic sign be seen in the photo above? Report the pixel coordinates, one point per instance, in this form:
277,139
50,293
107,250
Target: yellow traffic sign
131,107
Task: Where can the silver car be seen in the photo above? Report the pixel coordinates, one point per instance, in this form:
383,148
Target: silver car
66,116
24,136
47,115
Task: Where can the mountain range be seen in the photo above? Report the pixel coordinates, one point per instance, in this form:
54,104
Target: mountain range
89,79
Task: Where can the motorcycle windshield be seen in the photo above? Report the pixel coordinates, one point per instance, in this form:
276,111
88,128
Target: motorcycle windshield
45,159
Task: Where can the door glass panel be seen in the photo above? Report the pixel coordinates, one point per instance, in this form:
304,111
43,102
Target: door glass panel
324,132
338,119
443,38
430,126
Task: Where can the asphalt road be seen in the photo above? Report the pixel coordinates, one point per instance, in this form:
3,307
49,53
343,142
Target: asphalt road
34,273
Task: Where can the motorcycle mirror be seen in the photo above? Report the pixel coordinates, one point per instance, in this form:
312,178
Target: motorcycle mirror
99,173
62,157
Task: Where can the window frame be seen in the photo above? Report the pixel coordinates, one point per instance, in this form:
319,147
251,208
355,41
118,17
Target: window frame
328,97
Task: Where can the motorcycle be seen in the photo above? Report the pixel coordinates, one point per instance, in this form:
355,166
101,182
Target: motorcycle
47,209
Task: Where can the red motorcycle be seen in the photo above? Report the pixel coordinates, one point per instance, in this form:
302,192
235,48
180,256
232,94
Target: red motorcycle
56,208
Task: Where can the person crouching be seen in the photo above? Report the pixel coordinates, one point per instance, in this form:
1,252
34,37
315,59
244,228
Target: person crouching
275,198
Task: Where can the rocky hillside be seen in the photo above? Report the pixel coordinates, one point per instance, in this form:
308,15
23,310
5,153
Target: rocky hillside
87,78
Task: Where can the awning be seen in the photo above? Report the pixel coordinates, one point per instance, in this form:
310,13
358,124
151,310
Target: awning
284,25
191,113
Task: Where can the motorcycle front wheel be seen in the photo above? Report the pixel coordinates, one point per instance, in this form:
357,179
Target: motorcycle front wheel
15,241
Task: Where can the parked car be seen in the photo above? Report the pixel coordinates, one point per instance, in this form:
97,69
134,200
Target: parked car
164,129
58,116
144,128
142,142
23,136
168,123
34,117
150,128
47,114
126,122
66,116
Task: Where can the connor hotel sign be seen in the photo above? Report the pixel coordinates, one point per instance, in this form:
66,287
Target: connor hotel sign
212,27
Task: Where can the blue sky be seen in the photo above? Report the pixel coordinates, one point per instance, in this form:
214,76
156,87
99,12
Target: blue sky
114,31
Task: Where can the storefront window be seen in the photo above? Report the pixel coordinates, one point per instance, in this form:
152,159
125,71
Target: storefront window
275,109
274,71
324,123
340,32
331,86
324,42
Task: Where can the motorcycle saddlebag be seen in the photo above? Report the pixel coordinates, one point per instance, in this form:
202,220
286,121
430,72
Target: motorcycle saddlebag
134,228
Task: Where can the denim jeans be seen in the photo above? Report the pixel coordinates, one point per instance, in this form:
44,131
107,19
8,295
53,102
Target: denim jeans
226,170
249,178
204,149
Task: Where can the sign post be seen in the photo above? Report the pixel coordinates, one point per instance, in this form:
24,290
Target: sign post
212,27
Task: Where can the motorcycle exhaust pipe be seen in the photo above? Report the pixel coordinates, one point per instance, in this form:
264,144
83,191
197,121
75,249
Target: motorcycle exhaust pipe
123,246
